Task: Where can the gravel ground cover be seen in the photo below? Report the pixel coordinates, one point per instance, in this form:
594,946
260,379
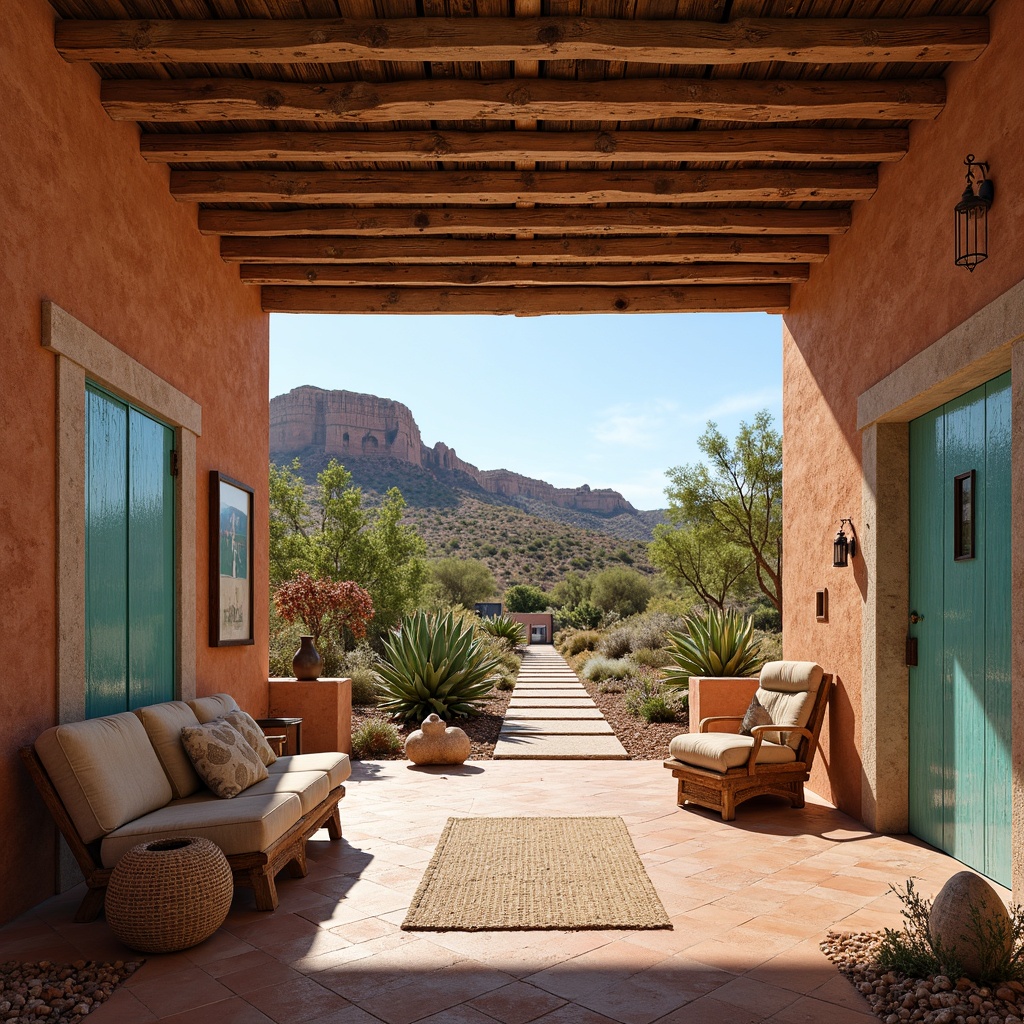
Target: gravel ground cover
644,741
49,993
896,998
481,729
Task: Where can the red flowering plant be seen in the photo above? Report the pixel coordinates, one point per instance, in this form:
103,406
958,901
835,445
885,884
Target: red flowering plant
324,604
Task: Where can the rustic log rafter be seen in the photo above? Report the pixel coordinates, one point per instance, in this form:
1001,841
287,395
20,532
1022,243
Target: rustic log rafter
255,41
452,99
817,145
565,187
767,298
591,251
385,221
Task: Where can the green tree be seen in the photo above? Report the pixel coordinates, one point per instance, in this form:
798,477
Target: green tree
697,557
461,581
341,540
621,590
521,597
571,591
737,496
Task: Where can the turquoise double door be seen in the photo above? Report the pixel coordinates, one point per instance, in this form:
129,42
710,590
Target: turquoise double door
129,557
960,541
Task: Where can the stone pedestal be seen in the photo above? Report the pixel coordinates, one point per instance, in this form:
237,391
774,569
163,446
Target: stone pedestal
325,707
712,695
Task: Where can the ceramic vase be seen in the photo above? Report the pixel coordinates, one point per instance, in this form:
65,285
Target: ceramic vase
307,662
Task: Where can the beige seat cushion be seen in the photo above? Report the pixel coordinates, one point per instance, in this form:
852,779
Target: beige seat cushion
336,765
105,770
163,724
310,787
786,690
246,824
223,758
208,708
720,751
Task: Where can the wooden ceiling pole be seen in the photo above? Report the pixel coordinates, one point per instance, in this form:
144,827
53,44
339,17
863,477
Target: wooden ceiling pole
256,41
768,298
774,145
227,99
386,221
572,188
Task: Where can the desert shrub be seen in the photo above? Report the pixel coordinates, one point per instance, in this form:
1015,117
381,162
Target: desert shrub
611,686
435,665
657,709
523,597
376,737
600,667
650,657
505,629
580,641
365,687
770,645
617,644
718,643
914,951
646,698
505,681
766,617
622,590
652,629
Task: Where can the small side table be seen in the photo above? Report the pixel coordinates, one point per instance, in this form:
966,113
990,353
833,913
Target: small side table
292,727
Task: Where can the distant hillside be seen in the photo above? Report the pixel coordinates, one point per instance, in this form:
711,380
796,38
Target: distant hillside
521,540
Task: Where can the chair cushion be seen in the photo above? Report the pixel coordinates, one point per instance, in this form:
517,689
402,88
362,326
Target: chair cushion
786,690
310,787
336,765
208,708
720,751
791,676
105,770
253,734
247,824
223,758
163,724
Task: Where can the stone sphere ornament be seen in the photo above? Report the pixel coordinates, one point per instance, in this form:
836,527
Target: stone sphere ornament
436,743
951,921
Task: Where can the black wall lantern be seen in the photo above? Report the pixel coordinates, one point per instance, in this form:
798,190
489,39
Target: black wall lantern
972,217
843,547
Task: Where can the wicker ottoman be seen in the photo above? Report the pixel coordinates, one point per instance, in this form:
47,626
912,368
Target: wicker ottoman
169,894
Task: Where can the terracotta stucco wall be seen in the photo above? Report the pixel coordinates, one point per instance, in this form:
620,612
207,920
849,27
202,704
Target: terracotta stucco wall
87,224
888,290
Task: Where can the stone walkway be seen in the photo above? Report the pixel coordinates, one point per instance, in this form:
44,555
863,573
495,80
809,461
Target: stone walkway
551,715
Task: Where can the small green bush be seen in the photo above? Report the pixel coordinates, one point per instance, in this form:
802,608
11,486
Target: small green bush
580,641
611,686
646,698
365,687
505,681
376,737
657,709
650,657
617,644
770,645
600,667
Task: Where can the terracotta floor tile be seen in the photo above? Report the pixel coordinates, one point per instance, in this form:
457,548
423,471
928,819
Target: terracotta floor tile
516,1003
807,1010
349,1015
229,1011
123,1007
241,962
250,979
840,991
184,990
756,995
426,995
301,999
573,1013
710,1010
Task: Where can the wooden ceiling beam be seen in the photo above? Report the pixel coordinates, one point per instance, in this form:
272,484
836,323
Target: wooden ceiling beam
684,249
817,145
572,188
309,41
454,99
384,221
361,275
766,298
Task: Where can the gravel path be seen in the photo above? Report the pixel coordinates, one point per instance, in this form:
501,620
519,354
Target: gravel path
896,998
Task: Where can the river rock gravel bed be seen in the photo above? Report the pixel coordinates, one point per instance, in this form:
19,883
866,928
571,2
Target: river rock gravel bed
896,998
49,993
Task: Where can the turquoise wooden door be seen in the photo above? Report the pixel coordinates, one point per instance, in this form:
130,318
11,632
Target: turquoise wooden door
129,557
960,596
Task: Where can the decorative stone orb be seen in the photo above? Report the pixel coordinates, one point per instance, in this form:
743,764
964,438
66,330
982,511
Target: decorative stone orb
951,924
434,743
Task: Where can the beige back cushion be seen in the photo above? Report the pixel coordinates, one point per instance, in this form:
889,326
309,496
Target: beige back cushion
105,771
786,690
163,724
208,708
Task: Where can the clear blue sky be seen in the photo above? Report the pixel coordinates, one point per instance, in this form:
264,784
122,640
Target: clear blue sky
610,401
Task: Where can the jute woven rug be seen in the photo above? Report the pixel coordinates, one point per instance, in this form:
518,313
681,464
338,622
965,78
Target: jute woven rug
493,874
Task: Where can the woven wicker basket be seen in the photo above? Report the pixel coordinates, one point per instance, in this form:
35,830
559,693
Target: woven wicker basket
169,894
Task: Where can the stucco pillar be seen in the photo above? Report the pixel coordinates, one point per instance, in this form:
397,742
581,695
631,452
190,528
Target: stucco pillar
885,703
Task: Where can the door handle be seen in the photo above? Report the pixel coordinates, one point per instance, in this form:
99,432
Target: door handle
915,618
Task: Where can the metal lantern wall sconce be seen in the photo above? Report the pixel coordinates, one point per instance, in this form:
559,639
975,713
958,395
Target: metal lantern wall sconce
843,547
972,216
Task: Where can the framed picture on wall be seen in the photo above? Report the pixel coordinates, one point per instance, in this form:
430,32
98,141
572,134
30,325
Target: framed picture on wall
231,506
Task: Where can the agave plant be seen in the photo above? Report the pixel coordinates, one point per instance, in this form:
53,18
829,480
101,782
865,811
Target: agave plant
434,665
720,643
502,627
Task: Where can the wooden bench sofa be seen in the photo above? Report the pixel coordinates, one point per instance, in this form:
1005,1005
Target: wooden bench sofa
124,779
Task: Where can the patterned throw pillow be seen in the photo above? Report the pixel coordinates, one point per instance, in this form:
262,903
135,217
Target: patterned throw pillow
756,715
223,758
253,734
